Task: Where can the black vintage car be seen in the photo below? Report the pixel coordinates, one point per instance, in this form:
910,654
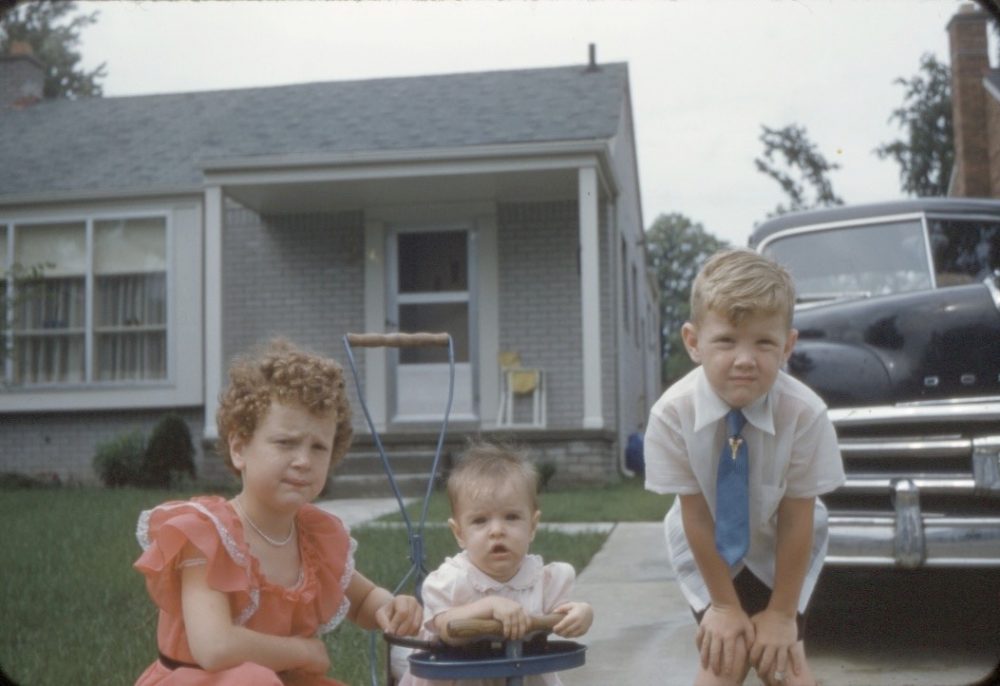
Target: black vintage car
899,331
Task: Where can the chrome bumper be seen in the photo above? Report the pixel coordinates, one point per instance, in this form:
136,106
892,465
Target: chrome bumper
909,538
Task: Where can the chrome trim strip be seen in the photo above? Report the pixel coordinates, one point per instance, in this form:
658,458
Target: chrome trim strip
985,409
923,447
954,484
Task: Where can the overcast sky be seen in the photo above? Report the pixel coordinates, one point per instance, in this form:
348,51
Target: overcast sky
705,74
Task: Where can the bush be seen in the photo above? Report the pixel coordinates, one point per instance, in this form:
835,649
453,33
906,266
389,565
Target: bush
170,450
119,461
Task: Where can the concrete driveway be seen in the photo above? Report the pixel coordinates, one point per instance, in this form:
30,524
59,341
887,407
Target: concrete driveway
866,629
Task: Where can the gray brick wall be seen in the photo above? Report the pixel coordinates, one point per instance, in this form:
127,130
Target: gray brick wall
64,443
540,299
300,276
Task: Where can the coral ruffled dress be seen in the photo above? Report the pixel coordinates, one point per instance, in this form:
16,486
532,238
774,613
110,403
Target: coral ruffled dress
315,606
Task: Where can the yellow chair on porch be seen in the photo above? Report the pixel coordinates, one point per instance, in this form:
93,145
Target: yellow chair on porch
517,381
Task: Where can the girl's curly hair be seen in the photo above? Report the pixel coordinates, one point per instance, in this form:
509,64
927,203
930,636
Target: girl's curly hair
282,372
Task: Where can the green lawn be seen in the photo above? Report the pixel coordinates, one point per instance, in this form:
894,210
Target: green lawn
72,609
626,501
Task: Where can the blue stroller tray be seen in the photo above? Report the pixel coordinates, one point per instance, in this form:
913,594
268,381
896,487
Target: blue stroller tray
458,663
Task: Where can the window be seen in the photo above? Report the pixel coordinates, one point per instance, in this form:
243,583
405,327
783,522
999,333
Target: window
965,251
88,301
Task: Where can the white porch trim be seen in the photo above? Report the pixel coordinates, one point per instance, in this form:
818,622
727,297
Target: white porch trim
213,306
375,362
590,295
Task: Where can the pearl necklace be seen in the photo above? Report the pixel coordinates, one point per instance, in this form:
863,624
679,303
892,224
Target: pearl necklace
274,542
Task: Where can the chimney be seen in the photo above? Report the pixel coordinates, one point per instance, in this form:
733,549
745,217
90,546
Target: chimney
592,58
969,64
22,77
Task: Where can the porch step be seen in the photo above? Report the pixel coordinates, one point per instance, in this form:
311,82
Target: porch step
362,475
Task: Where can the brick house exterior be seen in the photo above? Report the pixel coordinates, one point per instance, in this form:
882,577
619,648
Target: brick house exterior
975,107
295,211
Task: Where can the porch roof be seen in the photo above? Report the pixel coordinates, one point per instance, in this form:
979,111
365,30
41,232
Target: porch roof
141,145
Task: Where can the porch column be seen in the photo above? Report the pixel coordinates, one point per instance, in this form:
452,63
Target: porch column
375,316
590,296
213,307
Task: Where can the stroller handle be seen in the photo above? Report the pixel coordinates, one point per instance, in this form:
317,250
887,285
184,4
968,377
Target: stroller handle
479,628
398,340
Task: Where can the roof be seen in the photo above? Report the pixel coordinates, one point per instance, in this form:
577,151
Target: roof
843,213
158,143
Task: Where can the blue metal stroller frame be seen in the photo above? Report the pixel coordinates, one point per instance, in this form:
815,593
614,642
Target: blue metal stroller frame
512,660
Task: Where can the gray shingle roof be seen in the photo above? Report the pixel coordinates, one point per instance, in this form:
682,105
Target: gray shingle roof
159,142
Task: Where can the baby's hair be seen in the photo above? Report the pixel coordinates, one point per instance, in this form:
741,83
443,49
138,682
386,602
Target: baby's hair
735,283
484,465
281,372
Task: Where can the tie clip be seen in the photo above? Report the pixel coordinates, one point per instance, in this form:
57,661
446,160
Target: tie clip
734,445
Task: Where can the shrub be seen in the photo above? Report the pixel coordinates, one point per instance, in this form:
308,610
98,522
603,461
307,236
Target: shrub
170,450
546,470
119,461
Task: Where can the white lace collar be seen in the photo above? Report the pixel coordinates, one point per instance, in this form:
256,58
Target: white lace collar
529,575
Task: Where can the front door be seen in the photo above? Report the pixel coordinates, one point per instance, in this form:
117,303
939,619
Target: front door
430,290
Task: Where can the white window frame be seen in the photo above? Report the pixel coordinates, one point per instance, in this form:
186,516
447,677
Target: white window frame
88,221
185,381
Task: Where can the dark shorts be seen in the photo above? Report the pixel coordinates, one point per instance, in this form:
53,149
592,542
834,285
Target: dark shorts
754,595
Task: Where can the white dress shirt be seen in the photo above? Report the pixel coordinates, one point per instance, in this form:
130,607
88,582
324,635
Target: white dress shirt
793,452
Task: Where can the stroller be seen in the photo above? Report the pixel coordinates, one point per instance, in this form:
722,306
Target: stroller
489,656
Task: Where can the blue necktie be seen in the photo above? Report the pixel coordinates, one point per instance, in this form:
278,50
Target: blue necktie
732,500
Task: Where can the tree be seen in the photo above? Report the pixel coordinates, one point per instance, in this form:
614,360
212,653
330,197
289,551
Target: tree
675,249
53,33
799,168
927,153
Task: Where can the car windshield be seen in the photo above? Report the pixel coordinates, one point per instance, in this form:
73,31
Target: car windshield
856,261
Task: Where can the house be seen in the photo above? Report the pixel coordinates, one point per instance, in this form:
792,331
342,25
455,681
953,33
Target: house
975,92
174,231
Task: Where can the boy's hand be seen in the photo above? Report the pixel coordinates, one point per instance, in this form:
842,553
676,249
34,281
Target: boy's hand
401,616
777,635
579,617
723,637
511,615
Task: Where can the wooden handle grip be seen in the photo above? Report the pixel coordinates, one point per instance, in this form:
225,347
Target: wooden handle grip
397,340
478,628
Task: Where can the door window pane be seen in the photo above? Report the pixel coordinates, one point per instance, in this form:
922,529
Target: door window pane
451,318
965,251
433,262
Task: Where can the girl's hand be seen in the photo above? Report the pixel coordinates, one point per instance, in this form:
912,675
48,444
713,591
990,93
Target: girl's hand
511,615
579,617
722,639
316,659
777,635
401,616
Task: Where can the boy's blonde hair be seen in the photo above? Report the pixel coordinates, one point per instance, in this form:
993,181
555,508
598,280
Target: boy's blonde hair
281,372
485,465
735,283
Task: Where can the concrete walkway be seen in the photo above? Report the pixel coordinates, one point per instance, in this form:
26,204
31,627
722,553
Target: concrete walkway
643,631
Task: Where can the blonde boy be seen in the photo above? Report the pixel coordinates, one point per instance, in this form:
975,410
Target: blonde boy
738,421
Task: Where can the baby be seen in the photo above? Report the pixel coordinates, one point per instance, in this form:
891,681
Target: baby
494,505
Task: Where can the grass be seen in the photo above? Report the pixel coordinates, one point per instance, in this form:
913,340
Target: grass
626,501
74,611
